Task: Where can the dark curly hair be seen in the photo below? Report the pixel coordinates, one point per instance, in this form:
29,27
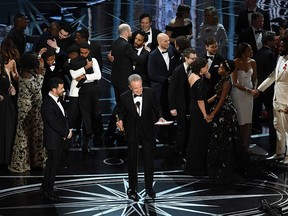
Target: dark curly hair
198,64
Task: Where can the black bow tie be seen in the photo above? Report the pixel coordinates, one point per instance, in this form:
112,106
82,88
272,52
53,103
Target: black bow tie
164,51
210,57
250,11
147,33
258,31
137,95
189,69
58,100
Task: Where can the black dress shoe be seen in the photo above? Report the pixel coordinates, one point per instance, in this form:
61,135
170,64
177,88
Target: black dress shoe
150,193
132,194
51,197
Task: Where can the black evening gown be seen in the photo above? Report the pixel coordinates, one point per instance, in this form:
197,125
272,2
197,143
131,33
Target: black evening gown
227,159
179,30
7,119
199,132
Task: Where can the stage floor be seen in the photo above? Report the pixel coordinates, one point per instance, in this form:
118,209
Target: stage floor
96,184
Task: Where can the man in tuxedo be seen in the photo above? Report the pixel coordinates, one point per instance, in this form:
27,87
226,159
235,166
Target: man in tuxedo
152,33
253,35
124,57
244,18
143,53
138,111
56,132
214,61
81,36
178,96
266,62
161,63
280,100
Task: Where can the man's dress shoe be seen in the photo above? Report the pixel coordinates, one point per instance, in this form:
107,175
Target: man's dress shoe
132,194
276,157
150,193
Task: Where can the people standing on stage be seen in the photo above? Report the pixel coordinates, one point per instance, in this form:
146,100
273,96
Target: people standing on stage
227,158
280,100
55,133
178,96
138,111
181,25
161,62
244,19
214,59
122,67
17,34
146,27
244,80
199,128
81,36
266,62
28,150
139,46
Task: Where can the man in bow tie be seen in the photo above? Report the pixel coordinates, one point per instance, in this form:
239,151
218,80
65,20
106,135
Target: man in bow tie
214,60
245,17
253,35
138,111
145,21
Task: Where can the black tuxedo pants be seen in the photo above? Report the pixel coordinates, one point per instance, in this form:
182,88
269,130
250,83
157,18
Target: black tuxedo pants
50,172
148,157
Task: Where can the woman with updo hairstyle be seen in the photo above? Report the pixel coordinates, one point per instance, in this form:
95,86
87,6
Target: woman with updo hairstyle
199,127
28,151
226,154
181,25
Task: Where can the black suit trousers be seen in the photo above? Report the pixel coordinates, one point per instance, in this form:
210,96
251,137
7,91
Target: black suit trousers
148,156
52,163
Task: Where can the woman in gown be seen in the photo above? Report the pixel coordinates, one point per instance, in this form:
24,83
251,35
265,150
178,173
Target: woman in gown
212,28
28,150
199,127
227,156
181,25
7,116
244,80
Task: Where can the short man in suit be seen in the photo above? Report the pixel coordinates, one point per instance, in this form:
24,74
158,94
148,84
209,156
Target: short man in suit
244,19
178,96
266,61
253,35
56,132
214,61
280,100
143,53
138,111
161,62
146,27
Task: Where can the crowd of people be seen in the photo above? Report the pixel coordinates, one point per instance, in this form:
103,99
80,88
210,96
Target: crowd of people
156,76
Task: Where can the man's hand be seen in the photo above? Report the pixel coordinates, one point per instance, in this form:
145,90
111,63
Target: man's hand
110,57
70,134
52,43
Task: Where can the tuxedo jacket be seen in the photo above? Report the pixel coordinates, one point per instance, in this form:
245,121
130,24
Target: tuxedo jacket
248,36
57,72
157,68
213,70
154,43
55,124
122,66
243,23
141,68
178,91
280,78
95,52
151,112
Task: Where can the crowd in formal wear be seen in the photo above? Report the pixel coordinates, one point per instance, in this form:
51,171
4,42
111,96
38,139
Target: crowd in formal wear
213,102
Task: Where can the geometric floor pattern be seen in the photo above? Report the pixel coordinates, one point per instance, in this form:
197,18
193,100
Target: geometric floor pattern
177,194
